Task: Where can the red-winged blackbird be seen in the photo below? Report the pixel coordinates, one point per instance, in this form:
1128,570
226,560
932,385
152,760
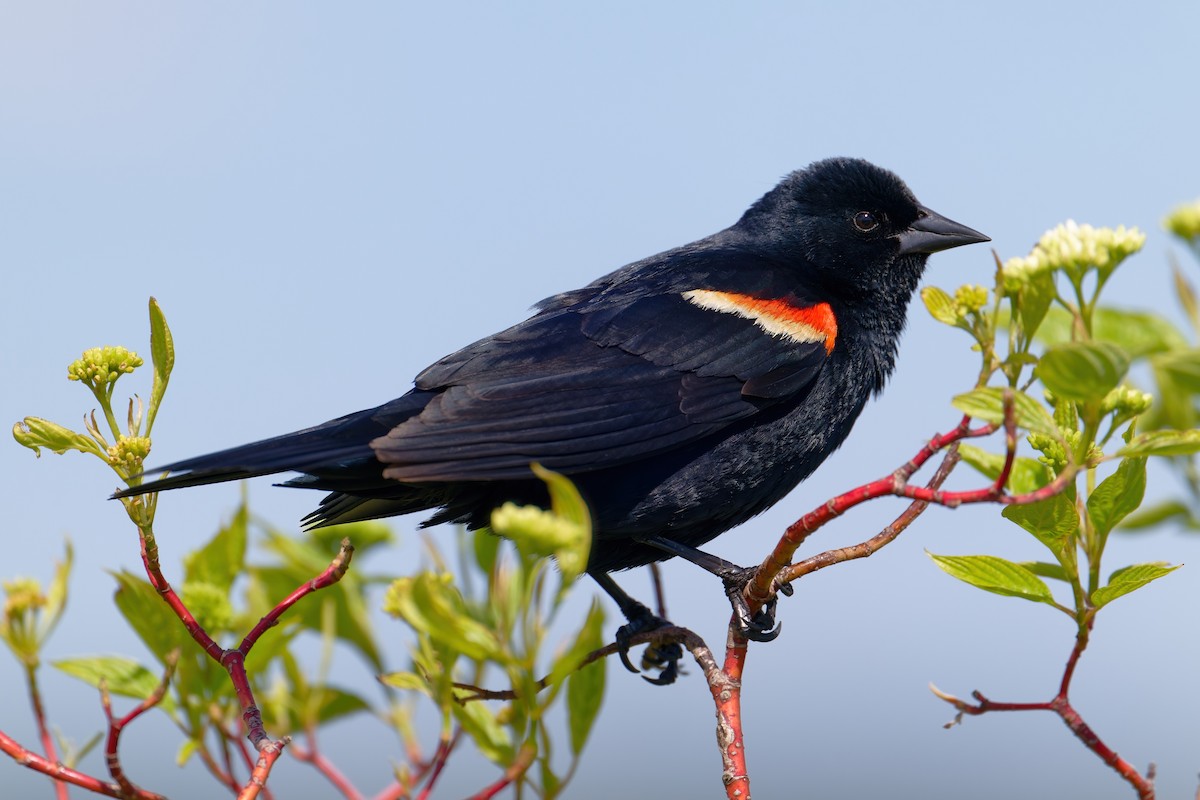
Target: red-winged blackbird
683,393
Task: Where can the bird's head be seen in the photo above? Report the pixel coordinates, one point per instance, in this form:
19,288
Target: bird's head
852,226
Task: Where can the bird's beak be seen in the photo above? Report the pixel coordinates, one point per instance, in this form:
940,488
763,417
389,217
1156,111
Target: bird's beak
933,232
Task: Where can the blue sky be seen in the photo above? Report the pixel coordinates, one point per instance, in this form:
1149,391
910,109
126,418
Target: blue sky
326,199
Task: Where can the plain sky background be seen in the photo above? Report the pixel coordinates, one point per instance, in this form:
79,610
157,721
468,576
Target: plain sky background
327,197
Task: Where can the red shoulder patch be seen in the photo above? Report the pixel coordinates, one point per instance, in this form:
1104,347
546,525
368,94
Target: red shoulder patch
807,324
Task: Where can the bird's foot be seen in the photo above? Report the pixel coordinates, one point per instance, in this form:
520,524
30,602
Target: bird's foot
760,627
663,657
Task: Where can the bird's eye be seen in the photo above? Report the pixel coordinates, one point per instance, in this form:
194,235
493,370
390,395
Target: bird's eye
866,221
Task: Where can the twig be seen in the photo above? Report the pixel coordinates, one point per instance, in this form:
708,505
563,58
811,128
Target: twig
39,714
1061,705
514,772
313,755
39,763
116,726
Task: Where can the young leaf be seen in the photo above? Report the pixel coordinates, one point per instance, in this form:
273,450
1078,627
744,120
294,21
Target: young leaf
996,575
1163,443
1117,495
36,433
940,305
1184,368
1035,300
1139,333
1158,513
585,686
1082,370
1052,521
1047,570
1027,474
987,404
480,723
162,355
222,558
409,681
1129,579
122,676
159,629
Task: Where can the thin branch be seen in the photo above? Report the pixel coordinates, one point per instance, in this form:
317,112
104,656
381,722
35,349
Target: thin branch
1060,705
313,755
115,726
39,763
514,772
39,715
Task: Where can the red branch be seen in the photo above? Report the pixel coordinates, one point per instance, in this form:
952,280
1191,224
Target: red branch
30,759
116,726
234,660
39,714
313,755
1061,705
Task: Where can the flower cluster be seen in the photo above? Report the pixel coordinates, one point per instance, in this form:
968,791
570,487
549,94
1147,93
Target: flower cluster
969,298
1074,248
1184,222
101,366
127,455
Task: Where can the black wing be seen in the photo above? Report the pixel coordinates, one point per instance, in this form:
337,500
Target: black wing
594,386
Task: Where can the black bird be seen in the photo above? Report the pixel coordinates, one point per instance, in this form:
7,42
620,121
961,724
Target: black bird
683,393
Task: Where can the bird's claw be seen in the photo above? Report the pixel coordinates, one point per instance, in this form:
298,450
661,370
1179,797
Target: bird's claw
760,627
662,657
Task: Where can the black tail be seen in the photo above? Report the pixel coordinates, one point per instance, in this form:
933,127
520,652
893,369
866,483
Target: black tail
317,449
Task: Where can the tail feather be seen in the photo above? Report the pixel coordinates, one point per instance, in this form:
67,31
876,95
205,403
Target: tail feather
322,447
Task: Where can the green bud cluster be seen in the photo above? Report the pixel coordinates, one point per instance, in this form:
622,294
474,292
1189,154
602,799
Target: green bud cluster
1053,452
101,366
1126,401
1073,248
1184,222
209,604
128,454
968,299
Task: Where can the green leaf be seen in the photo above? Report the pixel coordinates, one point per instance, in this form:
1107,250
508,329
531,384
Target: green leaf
1183,366
151,619
335,703
996,575
987,404
1027,474
1052,521
186,751
36,433
122,676
1082,371
1163,443
1130,579
1139,333
407,681
1046,570
223,557
162,355
1117,495
940,305
1158,513
486,547
585,686
352,624
433,606
1035,299
478,721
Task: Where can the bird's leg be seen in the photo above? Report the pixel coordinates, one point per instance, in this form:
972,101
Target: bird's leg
760,627
664,658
